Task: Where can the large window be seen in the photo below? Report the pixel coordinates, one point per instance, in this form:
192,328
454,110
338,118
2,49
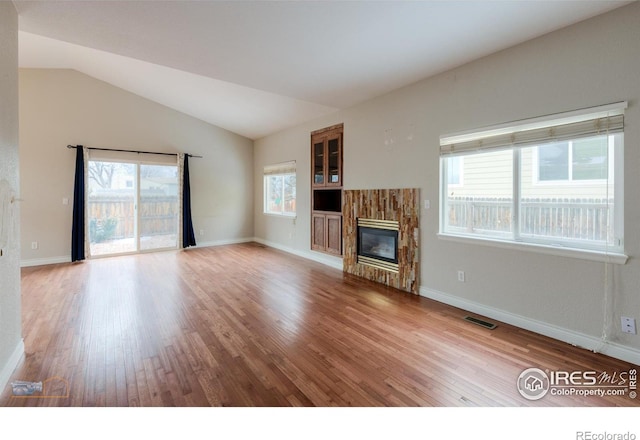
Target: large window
280,189
553,181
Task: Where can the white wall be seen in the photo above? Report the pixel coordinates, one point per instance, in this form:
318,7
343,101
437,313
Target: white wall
11,346
60,107
592,63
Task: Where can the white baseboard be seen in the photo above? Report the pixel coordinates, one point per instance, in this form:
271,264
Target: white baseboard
11,364
67,258
582,340
223,242
45,261
328,260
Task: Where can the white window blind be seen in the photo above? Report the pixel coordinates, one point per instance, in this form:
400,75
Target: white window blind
552,128
280,168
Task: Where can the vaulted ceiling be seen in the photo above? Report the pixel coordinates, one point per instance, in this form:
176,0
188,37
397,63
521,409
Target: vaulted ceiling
256,67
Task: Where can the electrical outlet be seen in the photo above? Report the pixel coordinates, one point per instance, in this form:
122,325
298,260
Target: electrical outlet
628,325
201,231
34,245
461,276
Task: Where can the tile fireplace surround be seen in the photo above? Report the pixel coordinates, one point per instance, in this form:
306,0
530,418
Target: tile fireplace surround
401,205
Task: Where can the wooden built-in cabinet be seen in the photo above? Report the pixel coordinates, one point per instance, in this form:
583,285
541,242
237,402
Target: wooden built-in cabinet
327,159
326,190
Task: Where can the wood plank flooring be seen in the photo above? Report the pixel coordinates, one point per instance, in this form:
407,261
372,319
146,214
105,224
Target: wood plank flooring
245,325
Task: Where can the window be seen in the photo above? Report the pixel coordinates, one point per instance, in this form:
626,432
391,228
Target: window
454,170
553,161
582,159
280,189
553,181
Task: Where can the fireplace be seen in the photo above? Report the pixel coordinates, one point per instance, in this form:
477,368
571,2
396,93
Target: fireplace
396,210
377,244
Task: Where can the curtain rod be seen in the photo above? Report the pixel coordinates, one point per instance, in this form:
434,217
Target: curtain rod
133,151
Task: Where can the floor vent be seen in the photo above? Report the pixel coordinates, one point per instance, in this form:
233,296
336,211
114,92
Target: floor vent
480,322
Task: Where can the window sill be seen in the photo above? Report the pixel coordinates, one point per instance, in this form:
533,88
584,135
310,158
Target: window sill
271,214
559,251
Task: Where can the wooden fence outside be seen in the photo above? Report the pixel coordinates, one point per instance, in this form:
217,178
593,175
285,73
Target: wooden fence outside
579,219
158,216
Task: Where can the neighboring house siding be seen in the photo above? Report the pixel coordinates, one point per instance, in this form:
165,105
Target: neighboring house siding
498,166
474,180
576,189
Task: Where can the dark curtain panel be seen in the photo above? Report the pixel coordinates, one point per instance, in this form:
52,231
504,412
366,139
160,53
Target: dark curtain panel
77,231
188,237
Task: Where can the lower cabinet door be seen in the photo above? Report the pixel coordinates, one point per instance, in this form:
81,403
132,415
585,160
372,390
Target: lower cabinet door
334,234
318,232
326,233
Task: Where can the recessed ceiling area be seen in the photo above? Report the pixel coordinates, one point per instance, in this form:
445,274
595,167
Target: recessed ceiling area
257,67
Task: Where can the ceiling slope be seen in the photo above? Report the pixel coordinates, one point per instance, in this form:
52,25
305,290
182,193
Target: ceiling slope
256,67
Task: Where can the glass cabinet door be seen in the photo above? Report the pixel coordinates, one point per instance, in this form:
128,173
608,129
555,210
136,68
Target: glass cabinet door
318,163
333,162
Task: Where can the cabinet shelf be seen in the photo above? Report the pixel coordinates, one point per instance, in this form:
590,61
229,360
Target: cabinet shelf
327,200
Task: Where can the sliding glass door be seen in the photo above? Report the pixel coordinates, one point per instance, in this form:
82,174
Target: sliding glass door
131,207
111,208
159,207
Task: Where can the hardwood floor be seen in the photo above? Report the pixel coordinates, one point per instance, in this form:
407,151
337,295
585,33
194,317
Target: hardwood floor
245,325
